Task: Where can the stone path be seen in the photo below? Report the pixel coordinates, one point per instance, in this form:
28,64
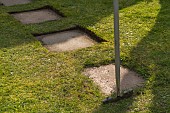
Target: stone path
59,41
103,76
66,40
36,16
1,3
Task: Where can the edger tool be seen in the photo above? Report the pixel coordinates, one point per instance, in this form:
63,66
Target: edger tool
127,93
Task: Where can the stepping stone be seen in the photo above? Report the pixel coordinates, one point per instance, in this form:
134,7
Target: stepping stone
1,3
36,16
67,40
104,77
14,2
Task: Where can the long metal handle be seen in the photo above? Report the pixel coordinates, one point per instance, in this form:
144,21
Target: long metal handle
117,45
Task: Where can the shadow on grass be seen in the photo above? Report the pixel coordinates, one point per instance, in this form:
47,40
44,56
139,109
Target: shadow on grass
12,33
96,10
79,12
150,58
118,107
154,51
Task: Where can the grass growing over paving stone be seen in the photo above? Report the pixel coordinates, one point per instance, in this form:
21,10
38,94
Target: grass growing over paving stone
32,79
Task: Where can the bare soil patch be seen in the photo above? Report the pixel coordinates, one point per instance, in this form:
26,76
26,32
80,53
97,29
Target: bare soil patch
104,77
14,2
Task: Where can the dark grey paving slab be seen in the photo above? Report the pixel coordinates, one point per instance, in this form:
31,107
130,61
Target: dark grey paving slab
36,16
14,2
1,3
66,40
104,77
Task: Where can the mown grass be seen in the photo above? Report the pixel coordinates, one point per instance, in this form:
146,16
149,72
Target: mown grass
32,79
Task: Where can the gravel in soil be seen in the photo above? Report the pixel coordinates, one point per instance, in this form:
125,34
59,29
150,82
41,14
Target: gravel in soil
104,77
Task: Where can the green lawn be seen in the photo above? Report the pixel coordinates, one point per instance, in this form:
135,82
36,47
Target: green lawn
32,79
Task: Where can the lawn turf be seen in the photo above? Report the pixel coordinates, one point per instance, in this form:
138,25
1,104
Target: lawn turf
32,79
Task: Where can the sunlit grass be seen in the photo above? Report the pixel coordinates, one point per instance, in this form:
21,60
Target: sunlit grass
32,79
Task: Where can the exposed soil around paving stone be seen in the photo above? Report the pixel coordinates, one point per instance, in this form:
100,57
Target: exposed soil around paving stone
14,2
104,77
66,40
36,16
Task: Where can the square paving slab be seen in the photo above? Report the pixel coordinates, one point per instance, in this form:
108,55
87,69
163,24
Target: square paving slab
36,16
66,40
14,2
104,77
1,3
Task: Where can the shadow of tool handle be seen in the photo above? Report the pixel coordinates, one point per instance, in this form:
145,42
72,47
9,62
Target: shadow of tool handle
126,94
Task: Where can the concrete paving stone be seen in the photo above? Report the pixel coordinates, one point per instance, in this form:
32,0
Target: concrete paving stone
1,3
14,2
36,16
66,40
104,77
